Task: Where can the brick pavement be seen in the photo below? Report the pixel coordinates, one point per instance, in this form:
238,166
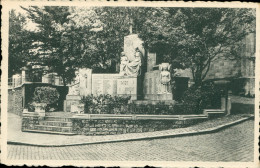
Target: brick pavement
232,144
16,136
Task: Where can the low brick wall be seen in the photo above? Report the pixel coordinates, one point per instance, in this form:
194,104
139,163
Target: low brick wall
15,101
121,126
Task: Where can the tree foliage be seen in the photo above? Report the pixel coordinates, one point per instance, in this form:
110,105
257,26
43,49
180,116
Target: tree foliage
48,40
19,43
194,37
102,30
92,37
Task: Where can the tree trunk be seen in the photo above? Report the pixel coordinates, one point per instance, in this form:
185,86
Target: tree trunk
63,80
198,79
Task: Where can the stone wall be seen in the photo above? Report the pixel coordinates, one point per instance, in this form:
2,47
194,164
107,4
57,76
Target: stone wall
117,126
29,122
15,101
241,70
109,124
224,68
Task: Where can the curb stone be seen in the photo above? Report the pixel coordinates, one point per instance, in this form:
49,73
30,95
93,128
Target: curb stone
190,133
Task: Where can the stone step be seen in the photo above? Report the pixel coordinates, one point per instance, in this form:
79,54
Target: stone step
58,114
215,111
54,118
56,123
48,132
197,117
53,128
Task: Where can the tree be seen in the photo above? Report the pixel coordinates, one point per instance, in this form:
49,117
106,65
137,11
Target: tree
104,29
73,37
48,40
83,37
19,43
194,37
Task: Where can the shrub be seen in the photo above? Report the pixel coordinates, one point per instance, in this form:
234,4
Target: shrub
104,104
195,99
31,106
47,95
193,103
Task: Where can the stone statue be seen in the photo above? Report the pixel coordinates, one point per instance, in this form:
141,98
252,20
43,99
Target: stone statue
165,77
134,67
123,64
74,87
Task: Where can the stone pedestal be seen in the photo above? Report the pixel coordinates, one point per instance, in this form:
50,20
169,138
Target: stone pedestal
77,108
24,75
166,96
154,102
17,80
85,86
71,100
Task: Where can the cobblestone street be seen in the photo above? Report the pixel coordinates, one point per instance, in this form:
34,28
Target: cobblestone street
231,144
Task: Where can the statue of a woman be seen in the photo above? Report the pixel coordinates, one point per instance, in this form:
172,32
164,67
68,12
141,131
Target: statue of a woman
165,76
123,64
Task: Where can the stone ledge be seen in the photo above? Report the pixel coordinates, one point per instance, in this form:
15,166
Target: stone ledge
141,117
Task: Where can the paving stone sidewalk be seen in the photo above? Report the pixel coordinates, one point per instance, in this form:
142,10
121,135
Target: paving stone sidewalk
16,136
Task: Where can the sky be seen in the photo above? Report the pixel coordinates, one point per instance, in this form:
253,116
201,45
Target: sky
29,24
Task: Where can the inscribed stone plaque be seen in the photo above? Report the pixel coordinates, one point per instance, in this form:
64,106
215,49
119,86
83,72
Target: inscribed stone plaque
114,86
145,86
127,86
97,84
108,86
155,85
150,86
104,84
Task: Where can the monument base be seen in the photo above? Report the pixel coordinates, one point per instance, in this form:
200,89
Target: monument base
71,100
133,96
154,102
77,108
166,96
73,97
